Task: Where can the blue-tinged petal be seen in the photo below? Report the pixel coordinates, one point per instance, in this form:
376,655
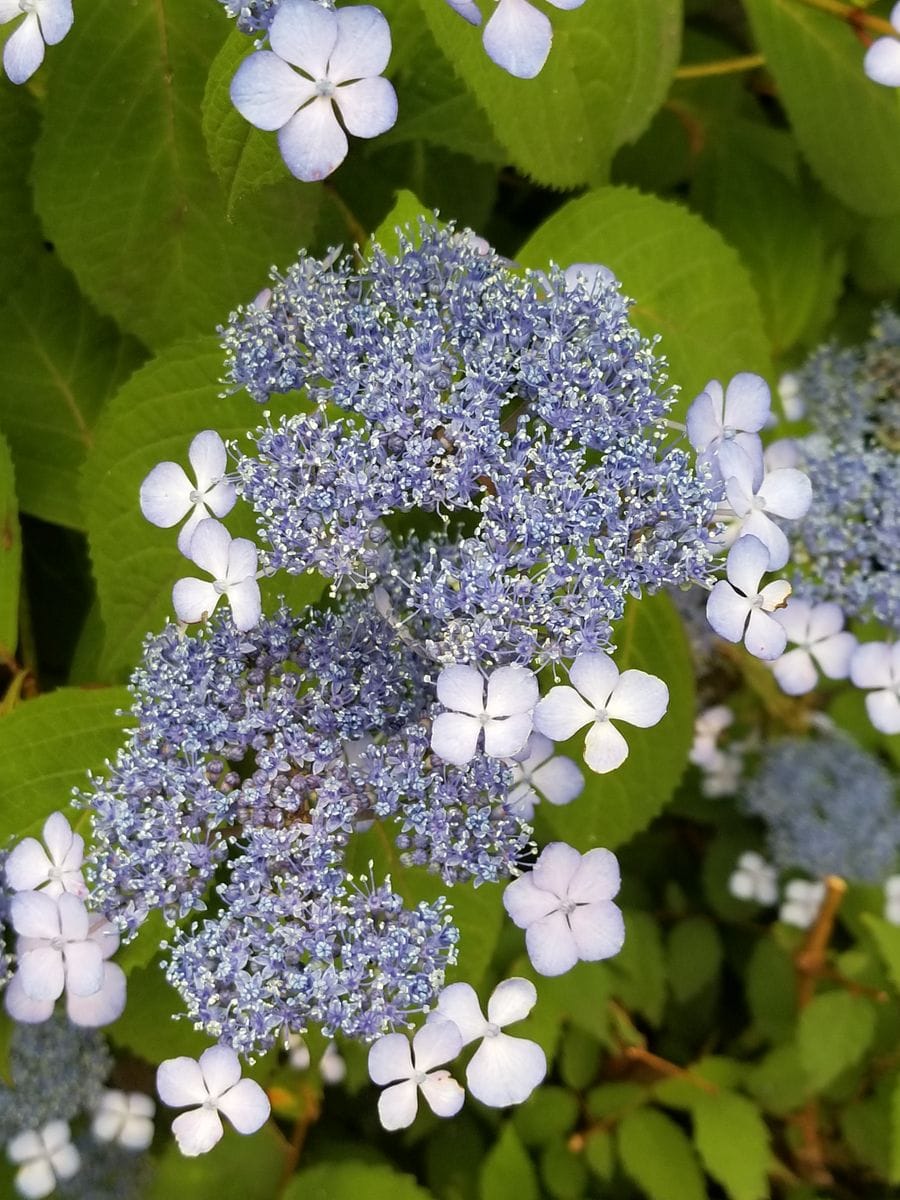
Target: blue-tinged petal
363,45
304,33
267,92
518,37
24,51
882,62
467,9
727,611
313,143
367,107
56,19
765,638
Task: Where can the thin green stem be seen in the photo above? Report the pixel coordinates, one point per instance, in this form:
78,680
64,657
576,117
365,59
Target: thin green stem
721,66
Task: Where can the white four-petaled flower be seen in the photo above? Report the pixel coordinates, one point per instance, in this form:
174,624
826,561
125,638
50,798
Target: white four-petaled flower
517,36
539,773
215,1086
754,879
753,496
341,54
729,421
125,1118
43,1156
600,696
802,901
737,609
876,666
232,564
503,1070
167,494
565,907
46,22
53,870
403,1073
704,751
882,61
504,715
817,631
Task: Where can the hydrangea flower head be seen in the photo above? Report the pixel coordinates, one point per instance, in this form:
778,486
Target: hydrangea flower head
215,1086
167,494
882,61
503,714
600,696
322,63
46,22
43,1156
565,907
404,1074
504,1069
54,870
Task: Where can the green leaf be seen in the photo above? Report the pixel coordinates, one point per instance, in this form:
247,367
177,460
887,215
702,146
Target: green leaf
10,556
507,1172
547,1115
638,970
834,1031
152,419
243,157
733,1141
887,939
689,286
613,807
48,744
600,1153
239,1168
772,990
563,1171
20,233
405,214
694,954
123,184
658,1156
67,361
848,128
603,81
779,1082
353,1181
148,1026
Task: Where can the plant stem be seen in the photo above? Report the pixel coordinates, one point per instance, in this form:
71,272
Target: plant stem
721,66
852,15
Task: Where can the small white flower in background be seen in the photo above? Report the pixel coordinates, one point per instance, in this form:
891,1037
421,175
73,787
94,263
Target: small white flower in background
43,1157
786,493
754,879
215,1086
403,1073
882,61
822,643
332,1067
876,665
723,777
167,494
789,394
504,715
298,1052
232,563
602,696
739,611
540,774
503,1070
726,421
708,725
892,899
565,907
801,904
125,1118
55,870
46,22
342,55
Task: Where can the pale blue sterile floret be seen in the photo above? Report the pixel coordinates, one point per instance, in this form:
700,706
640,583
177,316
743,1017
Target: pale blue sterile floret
830,808
323,64
882,61
528,416
845,548
517,35
44,22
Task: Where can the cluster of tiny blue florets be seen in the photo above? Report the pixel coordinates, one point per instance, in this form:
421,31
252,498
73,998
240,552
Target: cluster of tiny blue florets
830,808
56,1070
521,412
847,543
107,1172
255,16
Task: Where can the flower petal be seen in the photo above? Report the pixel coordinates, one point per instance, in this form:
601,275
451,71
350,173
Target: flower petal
390,1059
561,713
368,107
748,403
398,1105
443,1094
246,604
833,654
194,599
165,495
559,781
598,930
517,37
34,915
73,917
461,689
56,20
884,711
597,878
454,737
363,46
747,559
727,611
41,973
197,1131
787,493
765,638
22,1007
84,968
436,1043
870,666
104,1006
24,50
459,1004
246,1106
179,1081
511,1000
604,747
267,92
220,1068
210,548
313,143
550,945
795,672
555,868
595,675
526,903
506,736
758,525
639,698
208,458
36,1178
882,62
511,691
27,866
505,1070
305,34
704,416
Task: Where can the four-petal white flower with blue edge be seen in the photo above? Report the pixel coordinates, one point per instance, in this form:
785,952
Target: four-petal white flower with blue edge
738,610
876,666
565,907
785,492
602,696
44,1156
882,61
214,1085
721,424
817,631
46,23
55,870
232,563
403,1073
517,36
503,1070
341,55
167,494
504,716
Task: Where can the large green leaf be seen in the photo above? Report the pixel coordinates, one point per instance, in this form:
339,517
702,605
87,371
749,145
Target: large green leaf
603,81
689,286
353,1181
10,556
834,1031
733,1141
239,1168
48,744
847,126
59,361
152,419
613,807
148,1026
20,233
507,1172
123,183
659,1157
